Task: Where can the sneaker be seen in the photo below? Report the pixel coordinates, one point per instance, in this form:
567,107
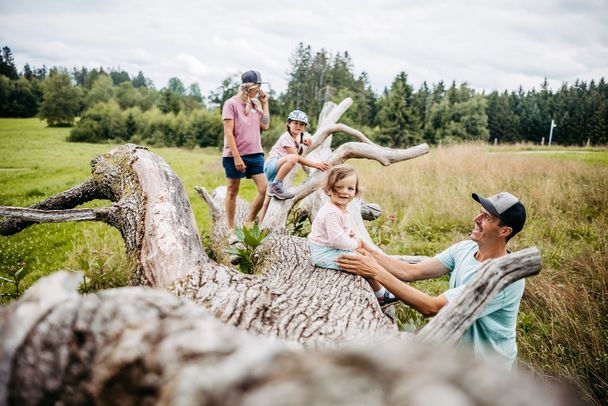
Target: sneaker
387,299
276,190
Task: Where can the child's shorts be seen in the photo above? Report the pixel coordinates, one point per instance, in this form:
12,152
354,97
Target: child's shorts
325,257
271,168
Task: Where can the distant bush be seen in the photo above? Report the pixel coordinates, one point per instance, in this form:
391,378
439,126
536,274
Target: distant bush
106,121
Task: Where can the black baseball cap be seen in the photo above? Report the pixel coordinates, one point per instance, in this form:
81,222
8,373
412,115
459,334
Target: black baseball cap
251,76
506,207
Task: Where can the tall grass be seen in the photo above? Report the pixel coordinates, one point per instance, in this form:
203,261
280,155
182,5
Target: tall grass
562,322
562,330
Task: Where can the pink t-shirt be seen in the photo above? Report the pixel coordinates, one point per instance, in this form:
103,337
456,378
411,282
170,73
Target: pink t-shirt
331,228
279,149
246,127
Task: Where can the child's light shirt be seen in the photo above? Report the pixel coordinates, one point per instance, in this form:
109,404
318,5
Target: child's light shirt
331,228
279,149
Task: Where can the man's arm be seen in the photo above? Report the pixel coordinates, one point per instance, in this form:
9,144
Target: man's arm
366,265
427,269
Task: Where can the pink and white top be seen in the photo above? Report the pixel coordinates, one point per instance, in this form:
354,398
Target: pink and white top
246,127
331,228
279,149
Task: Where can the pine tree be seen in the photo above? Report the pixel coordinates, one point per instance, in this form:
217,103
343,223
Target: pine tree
7,64
398,117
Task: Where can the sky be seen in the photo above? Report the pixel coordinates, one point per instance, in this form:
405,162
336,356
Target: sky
491,45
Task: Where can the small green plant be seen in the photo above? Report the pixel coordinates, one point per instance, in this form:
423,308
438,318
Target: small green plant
383,230
99,275
14,277
249,240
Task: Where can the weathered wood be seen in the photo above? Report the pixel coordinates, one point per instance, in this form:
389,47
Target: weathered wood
456,317
90,189
370,211
136,346
56,216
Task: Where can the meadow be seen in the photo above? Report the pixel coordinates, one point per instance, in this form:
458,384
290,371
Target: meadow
427,206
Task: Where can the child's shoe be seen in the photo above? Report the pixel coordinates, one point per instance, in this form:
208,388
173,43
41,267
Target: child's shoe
276,190
387,299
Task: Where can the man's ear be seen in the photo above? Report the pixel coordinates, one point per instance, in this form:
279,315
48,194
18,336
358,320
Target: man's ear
505,231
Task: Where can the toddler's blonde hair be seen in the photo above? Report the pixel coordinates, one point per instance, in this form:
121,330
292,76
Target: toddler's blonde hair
336,174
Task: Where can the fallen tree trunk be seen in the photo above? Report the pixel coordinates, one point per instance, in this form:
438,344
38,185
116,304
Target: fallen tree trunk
142,346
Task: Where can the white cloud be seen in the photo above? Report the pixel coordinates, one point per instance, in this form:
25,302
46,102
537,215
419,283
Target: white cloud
492,45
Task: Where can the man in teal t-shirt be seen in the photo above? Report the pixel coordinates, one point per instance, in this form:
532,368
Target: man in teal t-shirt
501,217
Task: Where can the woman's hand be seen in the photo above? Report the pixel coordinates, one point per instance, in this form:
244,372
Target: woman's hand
262,97
363,264
239,164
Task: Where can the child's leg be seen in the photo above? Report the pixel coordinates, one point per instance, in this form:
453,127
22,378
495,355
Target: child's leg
375,285
325,257
285,165
384,296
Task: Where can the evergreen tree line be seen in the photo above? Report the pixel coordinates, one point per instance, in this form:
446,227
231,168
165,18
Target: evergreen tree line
112,105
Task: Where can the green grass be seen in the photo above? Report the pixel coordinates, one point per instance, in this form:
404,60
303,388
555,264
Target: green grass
562,322
36,162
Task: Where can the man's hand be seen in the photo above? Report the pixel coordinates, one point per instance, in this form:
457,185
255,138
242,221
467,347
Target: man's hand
363,264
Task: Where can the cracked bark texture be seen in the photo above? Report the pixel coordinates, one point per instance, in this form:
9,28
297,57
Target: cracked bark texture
137,346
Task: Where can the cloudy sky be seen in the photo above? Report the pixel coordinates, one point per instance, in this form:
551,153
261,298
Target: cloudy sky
493,44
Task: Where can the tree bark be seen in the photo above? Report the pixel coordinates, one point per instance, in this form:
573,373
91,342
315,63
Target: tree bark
136,346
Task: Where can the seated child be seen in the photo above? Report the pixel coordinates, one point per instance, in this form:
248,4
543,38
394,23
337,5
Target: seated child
286,153
331,235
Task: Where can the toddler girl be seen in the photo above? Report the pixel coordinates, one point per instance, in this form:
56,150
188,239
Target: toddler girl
331,235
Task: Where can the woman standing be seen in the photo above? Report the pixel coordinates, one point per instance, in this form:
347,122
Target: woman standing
245,116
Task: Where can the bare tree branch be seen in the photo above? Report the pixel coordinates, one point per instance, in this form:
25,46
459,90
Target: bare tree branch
55,216
89,190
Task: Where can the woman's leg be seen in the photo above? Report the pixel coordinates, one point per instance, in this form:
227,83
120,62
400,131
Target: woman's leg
258,201
230,203
264,208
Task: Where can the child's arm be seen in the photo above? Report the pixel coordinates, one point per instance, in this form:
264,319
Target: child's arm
336,235
322,166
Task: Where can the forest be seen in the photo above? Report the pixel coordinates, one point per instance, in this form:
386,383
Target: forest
108,104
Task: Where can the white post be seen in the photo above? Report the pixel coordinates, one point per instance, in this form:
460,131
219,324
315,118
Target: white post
542,141
495,141
551,131
588,142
